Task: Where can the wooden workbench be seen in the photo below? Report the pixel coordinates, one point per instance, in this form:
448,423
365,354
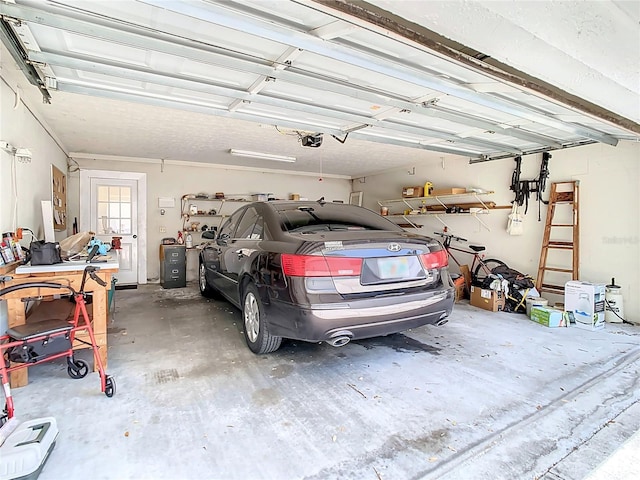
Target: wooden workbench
67,273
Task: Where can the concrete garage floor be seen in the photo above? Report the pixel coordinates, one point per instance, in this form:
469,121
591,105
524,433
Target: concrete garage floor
487,396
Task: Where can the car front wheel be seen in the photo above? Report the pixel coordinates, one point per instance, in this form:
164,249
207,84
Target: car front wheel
256,329
206,290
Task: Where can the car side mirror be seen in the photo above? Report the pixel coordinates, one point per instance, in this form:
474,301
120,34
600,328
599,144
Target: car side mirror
223,238
209,234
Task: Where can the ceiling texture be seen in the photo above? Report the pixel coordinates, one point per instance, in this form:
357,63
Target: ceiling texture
373,85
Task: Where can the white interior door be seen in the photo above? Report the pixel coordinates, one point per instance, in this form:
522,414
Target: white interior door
113,209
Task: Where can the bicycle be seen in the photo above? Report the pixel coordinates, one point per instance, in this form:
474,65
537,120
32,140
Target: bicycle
480,268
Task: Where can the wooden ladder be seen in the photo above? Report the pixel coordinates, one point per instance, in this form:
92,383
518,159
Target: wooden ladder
568,197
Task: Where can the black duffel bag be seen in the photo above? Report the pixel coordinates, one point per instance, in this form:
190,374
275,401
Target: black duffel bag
45,253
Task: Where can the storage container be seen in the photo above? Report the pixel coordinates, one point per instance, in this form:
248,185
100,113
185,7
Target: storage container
412,192
535,302
173,266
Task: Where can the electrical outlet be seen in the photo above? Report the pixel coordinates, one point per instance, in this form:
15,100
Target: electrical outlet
163,229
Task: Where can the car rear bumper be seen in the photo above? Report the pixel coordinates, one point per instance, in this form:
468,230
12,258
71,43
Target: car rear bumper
359,319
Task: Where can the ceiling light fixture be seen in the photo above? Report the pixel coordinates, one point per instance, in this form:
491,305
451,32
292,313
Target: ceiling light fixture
263,156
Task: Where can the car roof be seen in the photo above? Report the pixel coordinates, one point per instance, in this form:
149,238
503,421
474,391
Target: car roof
293,204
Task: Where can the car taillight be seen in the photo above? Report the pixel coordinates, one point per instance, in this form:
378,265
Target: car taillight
318,266
432,260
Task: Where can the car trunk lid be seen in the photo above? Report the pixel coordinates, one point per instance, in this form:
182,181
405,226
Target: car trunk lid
371,262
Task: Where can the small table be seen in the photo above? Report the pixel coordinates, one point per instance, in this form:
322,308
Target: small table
67,273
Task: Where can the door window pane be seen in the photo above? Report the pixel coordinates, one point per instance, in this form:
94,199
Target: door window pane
114,226
125,227
247,224
229,226
114,210
103,194
125,210
114,194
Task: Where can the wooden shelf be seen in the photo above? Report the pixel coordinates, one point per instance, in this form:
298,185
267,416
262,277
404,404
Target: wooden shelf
192,198
437,206
442,214
435,197
210,198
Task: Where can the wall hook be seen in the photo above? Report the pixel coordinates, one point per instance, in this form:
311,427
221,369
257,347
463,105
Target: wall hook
412,171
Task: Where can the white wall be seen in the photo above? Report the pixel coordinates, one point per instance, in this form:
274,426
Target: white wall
32,180
176,179
22,191
609,209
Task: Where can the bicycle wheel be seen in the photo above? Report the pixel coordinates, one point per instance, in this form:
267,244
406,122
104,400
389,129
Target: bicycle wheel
484,268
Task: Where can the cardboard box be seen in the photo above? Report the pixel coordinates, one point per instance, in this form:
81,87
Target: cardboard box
584,304
548,317
487,299
448,191
412,192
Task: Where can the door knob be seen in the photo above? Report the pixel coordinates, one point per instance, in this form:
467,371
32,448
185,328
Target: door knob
135,236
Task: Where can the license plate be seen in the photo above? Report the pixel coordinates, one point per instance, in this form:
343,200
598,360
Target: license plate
394,267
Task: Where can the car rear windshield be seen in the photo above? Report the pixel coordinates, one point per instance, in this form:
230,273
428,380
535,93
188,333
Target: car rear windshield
330,219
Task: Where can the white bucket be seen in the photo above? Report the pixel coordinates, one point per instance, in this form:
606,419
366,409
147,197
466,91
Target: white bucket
535,302
613,312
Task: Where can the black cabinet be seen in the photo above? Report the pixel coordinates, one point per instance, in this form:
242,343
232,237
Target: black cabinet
173,266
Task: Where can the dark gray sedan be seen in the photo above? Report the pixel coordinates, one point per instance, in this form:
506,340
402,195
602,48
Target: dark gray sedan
318,271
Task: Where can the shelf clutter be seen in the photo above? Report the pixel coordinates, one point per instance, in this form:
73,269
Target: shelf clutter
202,206
422,201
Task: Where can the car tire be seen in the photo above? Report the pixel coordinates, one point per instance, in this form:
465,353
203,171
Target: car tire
206,290
256,328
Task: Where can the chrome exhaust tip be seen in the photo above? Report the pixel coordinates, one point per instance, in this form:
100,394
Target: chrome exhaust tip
441,322
340,339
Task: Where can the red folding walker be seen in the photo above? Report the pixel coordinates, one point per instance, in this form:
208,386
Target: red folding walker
32,344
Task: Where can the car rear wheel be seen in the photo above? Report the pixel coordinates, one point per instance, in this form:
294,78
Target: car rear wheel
206,290
482,271
256,329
